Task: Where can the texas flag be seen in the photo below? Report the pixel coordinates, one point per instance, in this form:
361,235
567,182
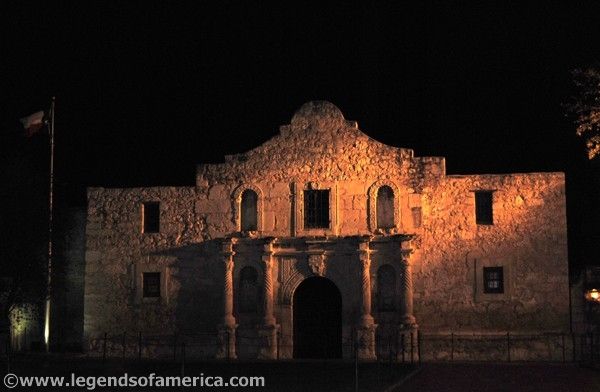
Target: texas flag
33,123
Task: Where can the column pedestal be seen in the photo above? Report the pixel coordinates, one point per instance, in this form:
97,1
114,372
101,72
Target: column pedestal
408,350
226,342
268,342
365,341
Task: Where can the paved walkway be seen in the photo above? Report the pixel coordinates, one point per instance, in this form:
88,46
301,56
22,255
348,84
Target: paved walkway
518,377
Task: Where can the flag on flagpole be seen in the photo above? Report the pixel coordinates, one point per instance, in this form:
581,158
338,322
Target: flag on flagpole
33,123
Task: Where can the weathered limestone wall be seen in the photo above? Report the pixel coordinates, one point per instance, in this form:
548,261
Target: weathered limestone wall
117,254
528,238
318,150
318,145
322,150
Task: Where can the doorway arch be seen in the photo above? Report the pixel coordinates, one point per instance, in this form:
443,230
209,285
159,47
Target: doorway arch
317,318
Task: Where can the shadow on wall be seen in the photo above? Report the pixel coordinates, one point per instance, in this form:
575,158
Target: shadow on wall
195,286
528,239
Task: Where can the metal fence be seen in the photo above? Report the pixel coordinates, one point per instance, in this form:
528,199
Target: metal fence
507,347
129,345
406,347
401,348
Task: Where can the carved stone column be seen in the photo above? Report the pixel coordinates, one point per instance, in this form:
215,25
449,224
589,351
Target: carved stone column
226,333
366,328
406,305
408,328
268,349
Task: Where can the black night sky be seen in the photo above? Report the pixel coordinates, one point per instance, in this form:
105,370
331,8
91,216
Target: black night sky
145,90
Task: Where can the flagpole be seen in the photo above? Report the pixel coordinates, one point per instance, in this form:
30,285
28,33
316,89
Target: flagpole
50,226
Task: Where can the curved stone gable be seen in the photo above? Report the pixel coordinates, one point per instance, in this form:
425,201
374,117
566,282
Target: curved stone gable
438,250
318,144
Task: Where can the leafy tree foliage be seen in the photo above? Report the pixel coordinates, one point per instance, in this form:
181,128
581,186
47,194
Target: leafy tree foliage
585,107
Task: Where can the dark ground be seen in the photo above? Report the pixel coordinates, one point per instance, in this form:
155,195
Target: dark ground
503,377
331,375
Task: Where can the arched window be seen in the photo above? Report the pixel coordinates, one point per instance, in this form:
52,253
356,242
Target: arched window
385,207
249,211
386,288
248,290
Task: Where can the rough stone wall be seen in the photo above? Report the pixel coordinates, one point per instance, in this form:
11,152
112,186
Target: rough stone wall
117,254
528,238
322,150
318,145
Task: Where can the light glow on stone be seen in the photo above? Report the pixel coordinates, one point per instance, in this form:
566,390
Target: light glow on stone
593,295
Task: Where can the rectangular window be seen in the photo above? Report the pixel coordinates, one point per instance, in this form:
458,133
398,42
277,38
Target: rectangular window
151,284
493,280
484,214
316,209
151,217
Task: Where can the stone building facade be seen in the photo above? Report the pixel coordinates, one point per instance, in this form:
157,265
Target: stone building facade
390,242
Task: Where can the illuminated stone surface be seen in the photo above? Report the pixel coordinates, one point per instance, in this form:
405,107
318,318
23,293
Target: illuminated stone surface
434,233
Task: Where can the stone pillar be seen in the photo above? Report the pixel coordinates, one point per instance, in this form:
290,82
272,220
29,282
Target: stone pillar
365,332
408,329
226,331
406,305
268,332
